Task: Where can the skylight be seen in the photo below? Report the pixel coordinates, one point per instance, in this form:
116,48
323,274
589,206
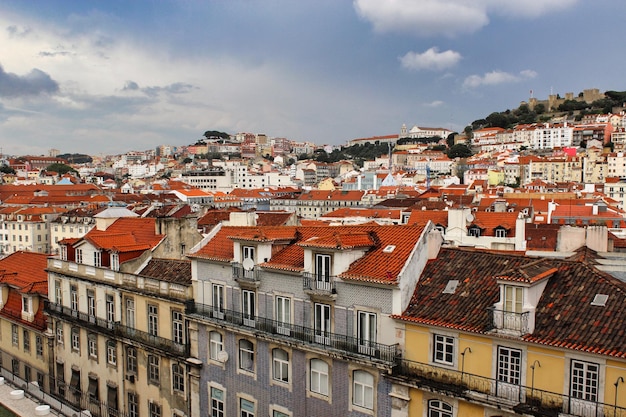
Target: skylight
389,248
451,286
600,300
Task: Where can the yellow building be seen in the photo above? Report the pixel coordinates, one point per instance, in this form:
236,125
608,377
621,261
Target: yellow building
493,334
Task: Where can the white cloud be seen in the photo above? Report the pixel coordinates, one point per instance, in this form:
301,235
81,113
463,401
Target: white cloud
436,103
497,77
447,17
431,59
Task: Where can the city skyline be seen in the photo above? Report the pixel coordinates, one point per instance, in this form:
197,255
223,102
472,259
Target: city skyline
107,77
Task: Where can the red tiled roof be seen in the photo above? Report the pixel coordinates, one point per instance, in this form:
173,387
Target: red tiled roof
126,234
25,270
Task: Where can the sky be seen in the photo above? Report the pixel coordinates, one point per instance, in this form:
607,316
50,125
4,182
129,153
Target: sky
106,77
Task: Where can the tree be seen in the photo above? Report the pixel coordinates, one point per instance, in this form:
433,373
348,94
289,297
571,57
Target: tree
459,151
6,169
450,139
61,169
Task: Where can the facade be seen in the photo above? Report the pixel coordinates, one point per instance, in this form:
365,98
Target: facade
117,315
315,203
26,229
25,349
295,321
513,335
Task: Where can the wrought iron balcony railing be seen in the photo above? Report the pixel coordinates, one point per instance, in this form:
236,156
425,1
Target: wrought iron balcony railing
509,321
504,394
347,344
241,274
119,330
319,283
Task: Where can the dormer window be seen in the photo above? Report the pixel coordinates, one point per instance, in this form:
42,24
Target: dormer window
248,252
27,304
474,231
513,299
322,267
79,256
115,262
500,231
97,258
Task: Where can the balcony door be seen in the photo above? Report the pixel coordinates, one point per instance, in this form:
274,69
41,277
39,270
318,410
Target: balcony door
322,272
322,323
509,375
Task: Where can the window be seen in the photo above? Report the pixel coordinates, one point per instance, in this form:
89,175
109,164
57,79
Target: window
27,373
111,352
216,345
15,336
177,326
133,405
319,377
217,402
500,232
74,298
131,360
280,367
218,301
247,408
474,231
79,256
27,304
153,369
154,409
276,413
246,355
97,258
443,351
584,380
322,270
178,378
39,345
509,365
513,299
110,310
75,339
363,389
153,319
115,262
283,310
58,292
248,303
112,400
322,323
92,389
60,338
366,332
92,346
130,313
91,305
438,408
248,253
26,341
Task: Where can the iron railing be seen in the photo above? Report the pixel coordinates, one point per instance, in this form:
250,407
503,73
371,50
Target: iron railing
347,344
120,330
502,394
319,283
245,275
509,321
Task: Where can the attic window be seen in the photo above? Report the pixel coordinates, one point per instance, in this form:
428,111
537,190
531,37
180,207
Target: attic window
389,248
451,286
600,300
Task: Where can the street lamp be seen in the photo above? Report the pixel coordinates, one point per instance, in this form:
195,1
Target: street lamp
619,379
467,349
532,381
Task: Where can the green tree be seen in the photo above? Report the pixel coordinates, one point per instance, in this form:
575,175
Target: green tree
60,168
459,151
7,169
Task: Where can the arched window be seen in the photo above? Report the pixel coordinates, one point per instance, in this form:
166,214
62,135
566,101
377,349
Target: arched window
363,389
319,376
246,355
438,408
216,345
280,365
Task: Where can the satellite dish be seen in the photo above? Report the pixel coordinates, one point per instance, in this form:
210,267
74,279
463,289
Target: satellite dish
222,356
248,264
469,217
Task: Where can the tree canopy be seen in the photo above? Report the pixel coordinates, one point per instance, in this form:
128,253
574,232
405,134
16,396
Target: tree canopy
216,134
60,168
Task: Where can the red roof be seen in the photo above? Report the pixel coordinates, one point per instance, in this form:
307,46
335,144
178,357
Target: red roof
25,271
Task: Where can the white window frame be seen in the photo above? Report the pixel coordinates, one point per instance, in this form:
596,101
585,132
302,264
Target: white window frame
115,262
363,389
130,313
74,298
97,258
178,377
367,330
218,300
15,335
322,322
27,304
247,408
178,329
513,299
323,267
92,346
91,304
582,387
248,252
280,365
75,338
319,378
444,349
111,352
509,365
110,309
438,408
58,292
131,360
153,319
133,404
246,355
154,371
217,403
59,332
216,344
79,256
248,307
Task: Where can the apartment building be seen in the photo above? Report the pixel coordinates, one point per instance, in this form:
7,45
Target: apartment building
315,203
24,351
117,312
489,334
26,228
295,321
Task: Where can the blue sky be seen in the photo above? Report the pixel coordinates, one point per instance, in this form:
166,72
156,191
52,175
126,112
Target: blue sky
105,77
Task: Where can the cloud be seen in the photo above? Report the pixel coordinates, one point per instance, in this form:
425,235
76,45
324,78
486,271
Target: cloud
174,88
18,32
34,83
447,17
431,59
497,77
436,103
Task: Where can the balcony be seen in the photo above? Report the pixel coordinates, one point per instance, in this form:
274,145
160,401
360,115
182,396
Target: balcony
319,285
350,346
121,279
519,399
509,322
246,277
117,329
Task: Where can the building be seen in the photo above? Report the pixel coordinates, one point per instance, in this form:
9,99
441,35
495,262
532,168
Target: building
295,321
490,334
117,313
